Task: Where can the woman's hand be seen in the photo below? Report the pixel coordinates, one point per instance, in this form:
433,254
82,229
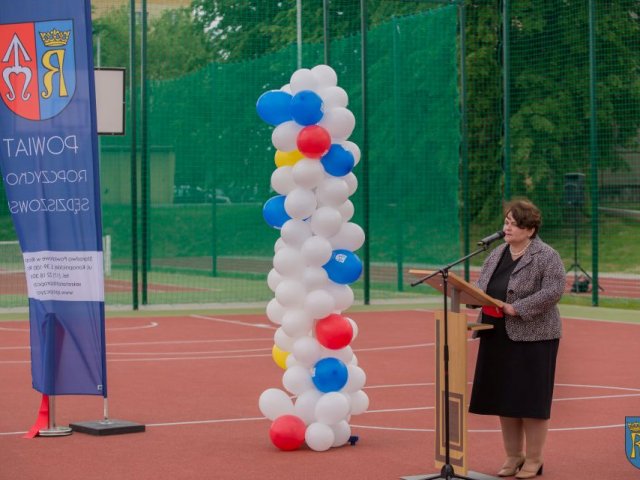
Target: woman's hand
509,310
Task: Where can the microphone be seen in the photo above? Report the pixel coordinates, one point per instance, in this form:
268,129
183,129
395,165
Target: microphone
486,241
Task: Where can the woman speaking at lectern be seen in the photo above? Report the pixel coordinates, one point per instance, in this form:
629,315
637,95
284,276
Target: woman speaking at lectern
516,362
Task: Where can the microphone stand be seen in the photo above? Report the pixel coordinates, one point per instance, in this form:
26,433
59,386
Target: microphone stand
447,472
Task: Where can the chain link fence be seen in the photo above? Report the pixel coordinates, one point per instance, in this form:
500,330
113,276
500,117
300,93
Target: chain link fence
546,106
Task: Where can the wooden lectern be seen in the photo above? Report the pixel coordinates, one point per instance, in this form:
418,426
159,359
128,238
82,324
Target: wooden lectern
460,292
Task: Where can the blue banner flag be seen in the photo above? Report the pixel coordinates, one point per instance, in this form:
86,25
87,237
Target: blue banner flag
49,165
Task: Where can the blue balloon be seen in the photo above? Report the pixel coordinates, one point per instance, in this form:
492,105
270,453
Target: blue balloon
306,107
274,107
274,213
338,161
330,375
343,267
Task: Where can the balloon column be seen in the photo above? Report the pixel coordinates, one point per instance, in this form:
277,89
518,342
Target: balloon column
314,262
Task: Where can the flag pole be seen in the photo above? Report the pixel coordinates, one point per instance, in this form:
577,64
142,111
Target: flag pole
54,430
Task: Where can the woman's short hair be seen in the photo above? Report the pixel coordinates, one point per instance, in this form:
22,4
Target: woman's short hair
525,213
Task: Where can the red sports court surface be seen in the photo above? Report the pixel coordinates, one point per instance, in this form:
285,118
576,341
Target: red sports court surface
195,380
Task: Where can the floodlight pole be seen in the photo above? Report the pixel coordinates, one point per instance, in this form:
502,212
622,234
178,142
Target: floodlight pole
299,31
134,155
365,152
325,29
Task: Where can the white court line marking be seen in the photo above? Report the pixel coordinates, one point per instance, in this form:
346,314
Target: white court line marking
215,357
205,422
394,347
9,329
186,342
193,353
150,325
399,385
394,410
234,322
109,329
598,386
109,360
566,429
597,397
169,342
372,349
397,410
205,357
366,427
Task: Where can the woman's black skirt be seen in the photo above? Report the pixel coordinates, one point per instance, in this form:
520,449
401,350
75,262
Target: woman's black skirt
513,379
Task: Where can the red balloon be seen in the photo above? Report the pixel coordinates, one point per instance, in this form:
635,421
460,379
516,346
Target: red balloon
313,141
287,432
334,332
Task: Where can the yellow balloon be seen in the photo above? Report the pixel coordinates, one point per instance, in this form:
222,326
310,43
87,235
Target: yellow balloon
280,357
284,159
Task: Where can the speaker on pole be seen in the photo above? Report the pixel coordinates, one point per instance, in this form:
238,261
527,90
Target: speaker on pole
574,189
574,201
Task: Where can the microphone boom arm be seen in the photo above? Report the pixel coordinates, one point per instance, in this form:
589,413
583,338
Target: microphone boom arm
446,268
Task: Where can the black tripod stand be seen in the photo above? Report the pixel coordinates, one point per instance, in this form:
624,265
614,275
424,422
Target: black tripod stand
447,472
580,281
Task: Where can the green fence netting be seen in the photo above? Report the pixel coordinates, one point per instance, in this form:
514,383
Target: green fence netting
438,167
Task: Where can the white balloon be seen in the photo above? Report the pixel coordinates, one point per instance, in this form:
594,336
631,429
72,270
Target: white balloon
354,149
316,251
274,403
283,341
345,354
339,122
297,322
284,136
342,295
291,360
354,327
279,245
305,406
319,303
325,75
354,360
356,379
359,402
332,408
342,432
300,203
332,191
307,351
295,232
282,180
314,278
288,261
297,380
319,437
286,88
325,221
290,293
352,181
346,210
308,173
273,279
349,237
303,79
275,311
333,97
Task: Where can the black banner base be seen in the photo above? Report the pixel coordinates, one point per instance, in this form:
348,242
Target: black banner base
107,427
470,474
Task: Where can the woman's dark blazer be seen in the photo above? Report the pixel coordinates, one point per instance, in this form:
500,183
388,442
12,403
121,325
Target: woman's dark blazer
534,290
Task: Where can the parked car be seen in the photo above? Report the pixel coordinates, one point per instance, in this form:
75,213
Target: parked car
191,194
